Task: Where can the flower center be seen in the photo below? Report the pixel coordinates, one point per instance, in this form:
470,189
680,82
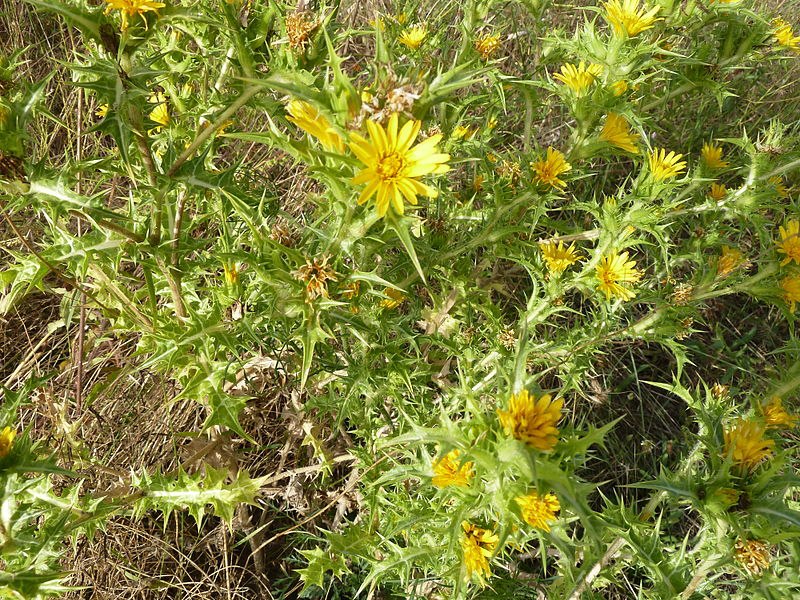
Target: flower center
390,166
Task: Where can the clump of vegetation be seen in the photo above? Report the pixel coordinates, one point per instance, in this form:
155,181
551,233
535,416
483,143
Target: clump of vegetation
485,299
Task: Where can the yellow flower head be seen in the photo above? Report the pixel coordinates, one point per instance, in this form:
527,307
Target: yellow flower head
777,183
746,445
776,417
315,124
664,166
712,156
160,114
557,256
579,78
231,273
449,470
539,511
487,45
7,436
617,132
620,87
412,37
753,555
548,169
478,546
393,166
790,242
728,261
102,111
718,192
532,421
299,26
626,17
131,8
785,36
394,298
791,290
614,269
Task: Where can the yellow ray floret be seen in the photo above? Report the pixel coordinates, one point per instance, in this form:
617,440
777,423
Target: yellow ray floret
557,256
579,78
617,132
548,169
393,166
450,470
785,35
665,166
627,18
791,291
315,124
413,37
7,436
478,546
712,156
539,510
131,8
746,445
532,421
789,243
613,270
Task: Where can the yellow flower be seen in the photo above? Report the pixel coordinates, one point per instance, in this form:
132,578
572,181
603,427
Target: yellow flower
712,156
449,470
548,169
790,242
616,132
539,511
401,18
784,35
614,269
619,88
745,443
728,261
718,192
579,78
532,421
487,45
231,273
463,133
777,183
752,554
791,291
663,165
776,417
102,111
478,546
299,26
314,123
7,436
131,8
626,17
412,37
394,298
160,114
393,166
557,256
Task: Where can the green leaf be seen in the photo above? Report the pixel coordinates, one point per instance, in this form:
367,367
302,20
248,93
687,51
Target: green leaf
400,225
195,492
319,563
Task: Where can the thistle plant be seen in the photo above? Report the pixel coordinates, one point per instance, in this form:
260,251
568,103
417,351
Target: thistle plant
449,253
